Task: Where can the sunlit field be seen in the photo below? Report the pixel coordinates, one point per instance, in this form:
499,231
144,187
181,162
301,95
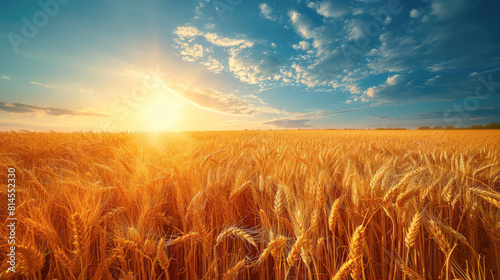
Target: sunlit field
254,205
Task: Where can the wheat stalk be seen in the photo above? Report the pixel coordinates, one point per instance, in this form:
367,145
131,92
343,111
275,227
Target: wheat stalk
163,260
412,233
233,272
265,220
189,237
344,270
334,213
356,251
236,232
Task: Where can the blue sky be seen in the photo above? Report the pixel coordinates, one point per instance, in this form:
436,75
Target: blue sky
240,64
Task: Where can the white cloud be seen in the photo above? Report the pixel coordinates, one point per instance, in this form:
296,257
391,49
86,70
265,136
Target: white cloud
414,13
353,89
393,80
226,42
355,29
23,108
302,24
191,49
302,45
187,32
266,12
447,9
6,77
253,67
217,101
331,8
199,8
213,65
371,92
41,84
424,38
191,53
209,26
321,36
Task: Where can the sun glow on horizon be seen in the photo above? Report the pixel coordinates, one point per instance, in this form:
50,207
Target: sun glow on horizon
162,113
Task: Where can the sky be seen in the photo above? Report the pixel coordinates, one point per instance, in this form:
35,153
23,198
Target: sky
123,65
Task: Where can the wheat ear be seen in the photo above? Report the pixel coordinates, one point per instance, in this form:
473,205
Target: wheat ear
236,232
192,236
163,260
233,272
411,235
343,270
356,251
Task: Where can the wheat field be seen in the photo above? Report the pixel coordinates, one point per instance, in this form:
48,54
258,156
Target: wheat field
254,205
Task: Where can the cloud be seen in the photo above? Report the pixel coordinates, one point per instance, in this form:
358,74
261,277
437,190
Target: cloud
330,8
453,30
22,108
6,77
424,41
298,120
324,65
187,32
302,24
302,45
191,53
321,36
266,12
213,65
355,29
41,84
381,118
431,87
226,42
448,9
414,13
421,54
394,80
209,26
199,8
289,123
218,101
191,43
244,105
190,33
450,117
321,114
328,70
253,66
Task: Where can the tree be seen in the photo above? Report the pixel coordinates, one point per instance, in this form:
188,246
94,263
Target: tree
477,126
438,127
492,126
424,128
450,127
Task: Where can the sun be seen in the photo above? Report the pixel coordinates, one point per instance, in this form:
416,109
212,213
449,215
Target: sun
161,113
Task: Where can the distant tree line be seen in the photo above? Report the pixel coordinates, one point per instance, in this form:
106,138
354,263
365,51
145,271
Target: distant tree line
488,126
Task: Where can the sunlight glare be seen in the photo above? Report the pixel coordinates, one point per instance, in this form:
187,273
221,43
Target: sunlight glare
162,114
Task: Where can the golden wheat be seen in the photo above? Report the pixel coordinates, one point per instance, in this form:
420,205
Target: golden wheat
251,204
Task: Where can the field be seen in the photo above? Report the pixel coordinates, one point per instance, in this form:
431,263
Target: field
253,205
